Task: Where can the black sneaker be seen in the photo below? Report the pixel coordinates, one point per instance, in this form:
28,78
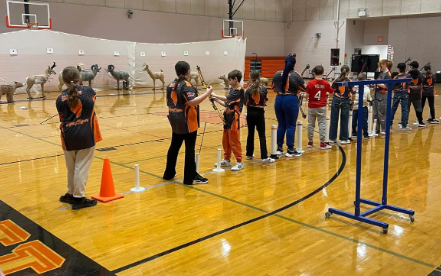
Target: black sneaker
199,180
434,121
80,203
67,198
290,153
421,124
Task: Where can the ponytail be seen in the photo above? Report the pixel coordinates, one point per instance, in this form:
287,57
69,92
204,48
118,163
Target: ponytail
344,71
72,95
71,75
255,83
389,64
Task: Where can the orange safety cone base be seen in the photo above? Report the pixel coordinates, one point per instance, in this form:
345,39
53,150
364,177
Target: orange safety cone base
107,199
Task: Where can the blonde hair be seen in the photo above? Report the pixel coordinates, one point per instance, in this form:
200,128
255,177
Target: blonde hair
386,62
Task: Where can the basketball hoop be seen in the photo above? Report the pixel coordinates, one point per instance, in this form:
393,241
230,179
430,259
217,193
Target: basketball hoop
33,26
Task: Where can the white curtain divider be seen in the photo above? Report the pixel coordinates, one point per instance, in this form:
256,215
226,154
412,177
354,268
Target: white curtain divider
214,57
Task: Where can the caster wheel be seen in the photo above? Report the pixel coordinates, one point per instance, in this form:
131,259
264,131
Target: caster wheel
384,230
327,214
412,219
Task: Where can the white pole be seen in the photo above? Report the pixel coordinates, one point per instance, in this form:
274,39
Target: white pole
218,168
137,189
374,129
350,124
328,123
370,120
299,136
197,162
274,142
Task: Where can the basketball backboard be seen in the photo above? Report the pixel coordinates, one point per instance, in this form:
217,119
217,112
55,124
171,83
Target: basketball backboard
28,15
232,28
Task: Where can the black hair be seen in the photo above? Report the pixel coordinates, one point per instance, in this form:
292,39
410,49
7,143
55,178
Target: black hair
235,74
181,69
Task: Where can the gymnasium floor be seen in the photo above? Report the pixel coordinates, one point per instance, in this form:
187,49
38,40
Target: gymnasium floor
263,220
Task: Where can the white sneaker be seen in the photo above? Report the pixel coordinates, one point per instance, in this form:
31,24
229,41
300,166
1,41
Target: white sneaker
237,167
224,163
250,157
268,160
383,133
324,146
279,151
345,142
405,128
434,121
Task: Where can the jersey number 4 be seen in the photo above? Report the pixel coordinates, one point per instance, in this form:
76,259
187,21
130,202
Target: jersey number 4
317,95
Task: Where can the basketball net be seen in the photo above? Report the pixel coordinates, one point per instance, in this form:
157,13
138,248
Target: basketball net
33,26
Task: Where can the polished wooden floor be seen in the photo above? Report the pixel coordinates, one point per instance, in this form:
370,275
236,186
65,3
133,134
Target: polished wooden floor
172,229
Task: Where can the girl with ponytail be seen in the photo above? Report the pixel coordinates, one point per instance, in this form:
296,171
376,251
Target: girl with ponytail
256,98
429,80
287,84
79,134
340,105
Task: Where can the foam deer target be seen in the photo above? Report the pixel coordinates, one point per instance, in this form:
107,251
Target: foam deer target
155,76
39,79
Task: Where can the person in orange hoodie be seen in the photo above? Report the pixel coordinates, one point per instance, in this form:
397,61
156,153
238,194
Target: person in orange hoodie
79,134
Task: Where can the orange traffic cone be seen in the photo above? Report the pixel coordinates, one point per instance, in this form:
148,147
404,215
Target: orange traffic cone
107,191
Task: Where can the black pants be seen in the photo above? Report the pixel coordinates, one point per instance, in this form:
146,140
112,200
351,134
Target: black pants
415,100
256,119
355,122
431,100
172,156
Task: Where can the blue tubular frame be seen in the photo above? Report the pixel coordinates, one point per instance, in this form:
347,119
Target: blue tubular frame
383,205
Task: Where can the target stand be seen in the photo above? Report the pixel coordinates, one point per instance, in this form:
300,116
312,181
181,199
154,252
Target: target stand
384,204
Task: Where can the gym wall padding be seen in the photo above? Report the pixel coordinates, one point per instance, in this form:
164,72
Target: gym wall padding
32,58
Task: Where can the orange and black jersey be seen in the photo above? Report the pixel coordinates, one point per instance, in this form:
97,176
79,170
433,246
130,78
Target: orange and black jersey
183,117
294,84
79,125
383,76
401,87
343,92
415,86
259,100
429,85
233,108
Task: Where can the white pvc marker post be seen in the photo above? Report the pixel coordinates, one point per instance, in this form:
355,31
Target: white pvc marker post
197,162
350,123
218,168
274,142
299,136
328,123
374,129
137,189
370,120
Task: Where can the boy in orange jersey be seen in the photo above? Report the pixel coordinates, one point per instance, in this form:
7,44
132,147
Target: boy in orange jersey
317,93
233,103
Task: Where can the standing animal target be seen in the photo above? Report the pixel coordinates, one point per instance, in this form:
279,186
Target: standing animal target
39,79
9,90
119,75
155,76
194,76
90,75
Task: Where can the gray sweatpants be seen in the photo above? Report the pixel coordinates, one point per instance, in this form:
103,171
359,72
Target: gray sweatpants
320,115
379,108
78,163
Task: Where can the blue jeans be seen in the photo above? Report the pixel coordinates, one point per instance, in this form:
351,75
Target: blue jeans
337,105
404,99
355,122
287,111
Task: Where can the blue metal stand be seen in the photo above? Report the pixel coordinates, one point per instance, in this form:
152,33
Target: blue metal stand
383,205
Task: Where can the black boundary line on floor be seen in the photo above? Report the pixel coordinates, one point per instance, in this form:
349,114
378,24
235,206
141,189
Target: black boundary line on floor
164,253
33,159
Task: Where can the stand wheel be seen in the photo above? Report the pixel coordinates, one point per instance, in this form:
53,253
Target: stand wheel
327,214
412,219
384,230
